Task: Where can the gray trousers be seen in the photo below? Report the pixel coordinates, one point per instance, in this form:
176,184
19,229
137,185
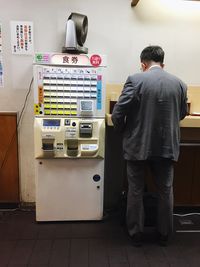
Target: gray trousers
163,172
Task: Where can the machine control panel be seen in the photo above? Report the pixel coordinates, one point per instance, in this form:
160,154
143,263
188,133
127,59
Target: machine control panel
69,91
69,137
71,130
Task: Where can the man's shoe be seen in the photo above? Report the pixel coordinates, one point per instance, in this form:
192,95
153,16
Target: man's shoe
163,240
137,239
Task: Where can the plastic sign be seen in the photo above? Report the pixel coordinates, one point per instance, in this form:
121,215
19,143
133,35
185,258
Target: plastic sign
95,60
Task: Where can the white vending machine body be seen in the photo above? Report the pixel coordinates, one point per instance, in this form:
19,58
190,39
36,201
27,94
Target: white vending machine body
69,134
69,189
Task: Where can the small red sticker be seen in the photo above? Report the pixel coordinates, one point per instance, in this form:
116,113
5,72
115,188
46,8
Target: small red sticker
95,60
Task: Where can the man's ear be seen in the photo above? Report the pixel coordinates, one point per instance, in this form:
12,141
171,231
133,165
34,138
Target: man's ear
144,66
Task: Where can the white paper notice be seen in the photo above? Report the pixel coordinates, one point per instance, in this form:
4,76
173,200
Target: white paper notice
22,37
0,37
1,71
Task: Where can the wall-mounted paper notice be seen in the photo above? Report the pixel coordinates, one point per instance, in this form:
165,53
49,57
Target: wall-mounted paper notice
1,71
22,37
0,37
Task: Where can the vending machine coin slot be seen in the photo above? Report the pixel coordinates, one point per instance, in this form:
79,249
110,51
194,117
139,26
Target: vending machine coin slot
72,148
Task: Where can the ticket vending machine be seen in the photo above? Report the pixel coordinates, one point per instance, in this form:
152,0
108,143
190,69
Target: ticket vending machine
69,132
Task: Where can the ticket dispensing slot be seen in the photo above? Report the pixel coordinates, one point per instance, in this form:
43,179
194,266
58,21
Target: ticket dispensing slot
85,130
72,147
71,137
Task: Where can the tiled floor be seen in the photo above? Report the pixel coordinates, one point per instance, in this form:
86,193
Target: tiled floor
23,242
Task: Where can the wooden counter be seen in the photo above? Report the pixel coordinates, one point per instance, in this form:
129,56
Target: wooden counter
189,121
187,169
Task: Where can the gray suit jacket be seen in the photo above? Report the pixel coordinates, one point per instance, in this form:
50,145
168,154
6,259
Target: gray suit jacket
148,113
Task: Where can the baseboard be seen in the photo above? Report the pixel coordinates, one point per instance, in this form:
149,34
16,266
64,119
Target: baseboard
9,205
27,205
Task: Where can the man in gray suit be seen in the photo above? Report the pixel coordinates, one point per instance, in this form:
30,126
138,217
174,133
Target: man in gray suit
148,113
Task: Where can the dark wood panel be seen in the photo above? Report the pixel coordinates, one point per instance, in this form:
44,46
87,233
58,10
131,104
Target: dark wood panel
183,176
190,134
186,176
186,191
9,169
196,181
115,169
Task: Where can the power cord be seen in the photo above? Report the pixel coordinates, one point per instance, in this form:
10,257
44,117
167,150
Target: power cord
26,99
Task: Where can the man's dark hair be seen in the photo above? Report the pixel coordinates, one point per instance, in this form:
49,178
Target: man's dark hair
152,53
